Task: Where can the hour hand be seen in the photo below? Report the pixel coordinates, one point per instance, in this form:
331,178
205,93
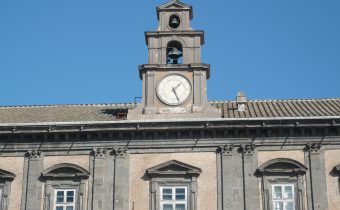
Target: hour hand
174,90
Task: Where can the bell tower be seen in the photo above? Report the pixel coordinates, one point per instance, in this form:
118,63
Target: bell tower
174,80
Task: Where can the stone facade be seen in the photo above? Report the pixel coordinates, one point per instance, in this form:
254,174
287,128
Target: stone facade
172,152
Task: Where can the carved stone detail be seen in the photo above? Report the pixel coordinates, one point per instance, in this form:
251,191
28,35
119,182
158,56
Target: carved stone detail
314,147
248,149
99,152
226,149
33,154
120,152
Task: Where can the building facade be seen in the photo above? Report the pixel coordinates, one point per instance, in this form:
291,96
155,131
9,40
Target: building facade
175,150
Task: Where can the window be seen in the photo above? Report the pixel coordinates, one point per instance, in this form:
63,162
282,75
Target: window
283,185
6,179
64,187
64,199
283,196
173,186
173,198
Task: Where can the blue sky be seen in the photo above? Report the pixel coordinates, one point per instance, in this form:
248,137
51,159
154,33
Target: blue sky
82,51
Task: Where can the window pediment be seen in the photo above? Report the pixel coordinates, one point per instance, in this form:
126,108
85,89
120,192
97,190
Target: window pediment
6,175
65,170
174,4
336,169
282,166
173,167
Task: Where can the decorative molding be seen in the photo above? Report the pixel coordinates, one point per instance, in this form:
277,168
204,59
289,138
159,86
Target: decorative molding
33,154
282,166
337,169
313,148
120,152
247,149
99,152
65,170
173,168
6,175
225,149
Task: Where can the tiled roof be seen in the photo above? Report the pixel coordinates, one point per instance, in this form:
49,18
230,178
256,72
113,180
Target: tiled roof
117,111
282,108
64,113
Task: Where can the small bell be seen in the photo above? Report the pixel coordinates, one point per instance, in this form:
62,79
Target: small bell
174,22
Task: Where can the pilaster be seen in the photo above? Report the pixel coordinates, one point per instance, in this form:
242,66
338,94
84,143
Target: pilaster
250,181
149,93
121,179
103,173
316,179
198,84
35,163
231,178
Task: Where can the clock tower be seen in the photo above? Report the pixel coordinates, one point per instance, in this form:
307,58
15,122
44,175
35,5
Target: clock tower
174,80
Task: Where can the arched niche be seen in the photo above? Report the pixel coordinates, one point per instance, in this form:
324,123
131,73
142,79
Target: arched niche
282,171
64,176
174,52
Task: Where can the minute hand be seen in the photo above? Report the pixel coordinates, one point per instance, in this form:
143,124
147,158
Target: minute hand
176,86
174,90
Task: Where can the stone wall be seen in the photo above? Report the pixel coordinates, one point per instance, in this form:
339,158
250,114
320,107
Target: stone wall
332,158
14,165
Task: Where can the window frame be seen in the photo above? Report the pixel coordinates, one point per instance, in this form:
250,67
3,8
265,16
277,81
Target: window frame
6,179
173,200
282,171
64,176
283,200
173,173
65,204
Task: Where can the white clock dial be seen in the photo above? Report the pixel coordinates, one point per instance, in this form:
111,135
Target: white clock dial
173,89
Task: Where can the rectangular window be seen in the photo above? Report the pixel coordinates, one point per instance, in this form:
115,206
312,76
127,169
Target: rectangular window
283,197
173,198
64,199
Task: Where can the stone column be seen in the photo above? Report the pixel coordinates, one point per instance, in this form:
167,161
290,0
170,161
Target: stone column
231,178
34,186
316,177
121,186
103,173
250,181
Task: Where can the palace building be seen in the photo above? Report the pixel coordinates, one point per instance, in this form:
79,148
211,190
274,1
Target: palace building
175,150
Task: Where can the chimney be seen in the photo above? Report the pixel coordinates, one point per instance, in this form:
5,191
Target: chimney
241,101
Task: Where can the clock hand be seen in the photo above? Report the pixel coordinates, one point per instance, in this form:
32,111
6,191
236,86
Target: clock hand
177,86
174,90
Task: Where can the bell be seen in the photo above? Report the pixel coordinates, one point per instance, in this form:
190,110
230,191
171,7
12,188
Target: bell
174,23
175,54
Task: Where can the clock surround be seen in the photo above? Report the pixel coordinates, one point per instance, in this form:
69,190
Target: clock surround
174,89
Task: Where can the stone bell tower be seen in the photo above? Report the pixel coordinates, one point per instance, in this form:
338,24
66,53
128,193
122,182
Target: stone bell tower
174,80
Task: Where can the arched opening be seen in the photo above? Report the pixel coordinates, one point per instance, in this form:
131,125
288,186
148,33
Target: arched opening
174,21
174,53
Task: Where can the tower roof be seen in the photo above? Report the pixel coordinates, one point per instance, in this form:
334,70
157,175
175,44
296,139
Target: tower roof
174,5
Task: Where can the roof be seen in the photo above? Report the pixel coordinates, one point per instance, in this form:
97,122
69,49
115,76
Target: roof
64,113
174,5
288,108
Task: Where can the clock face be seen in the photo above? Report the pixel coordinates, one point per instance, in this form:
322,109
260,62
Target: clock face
173,89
